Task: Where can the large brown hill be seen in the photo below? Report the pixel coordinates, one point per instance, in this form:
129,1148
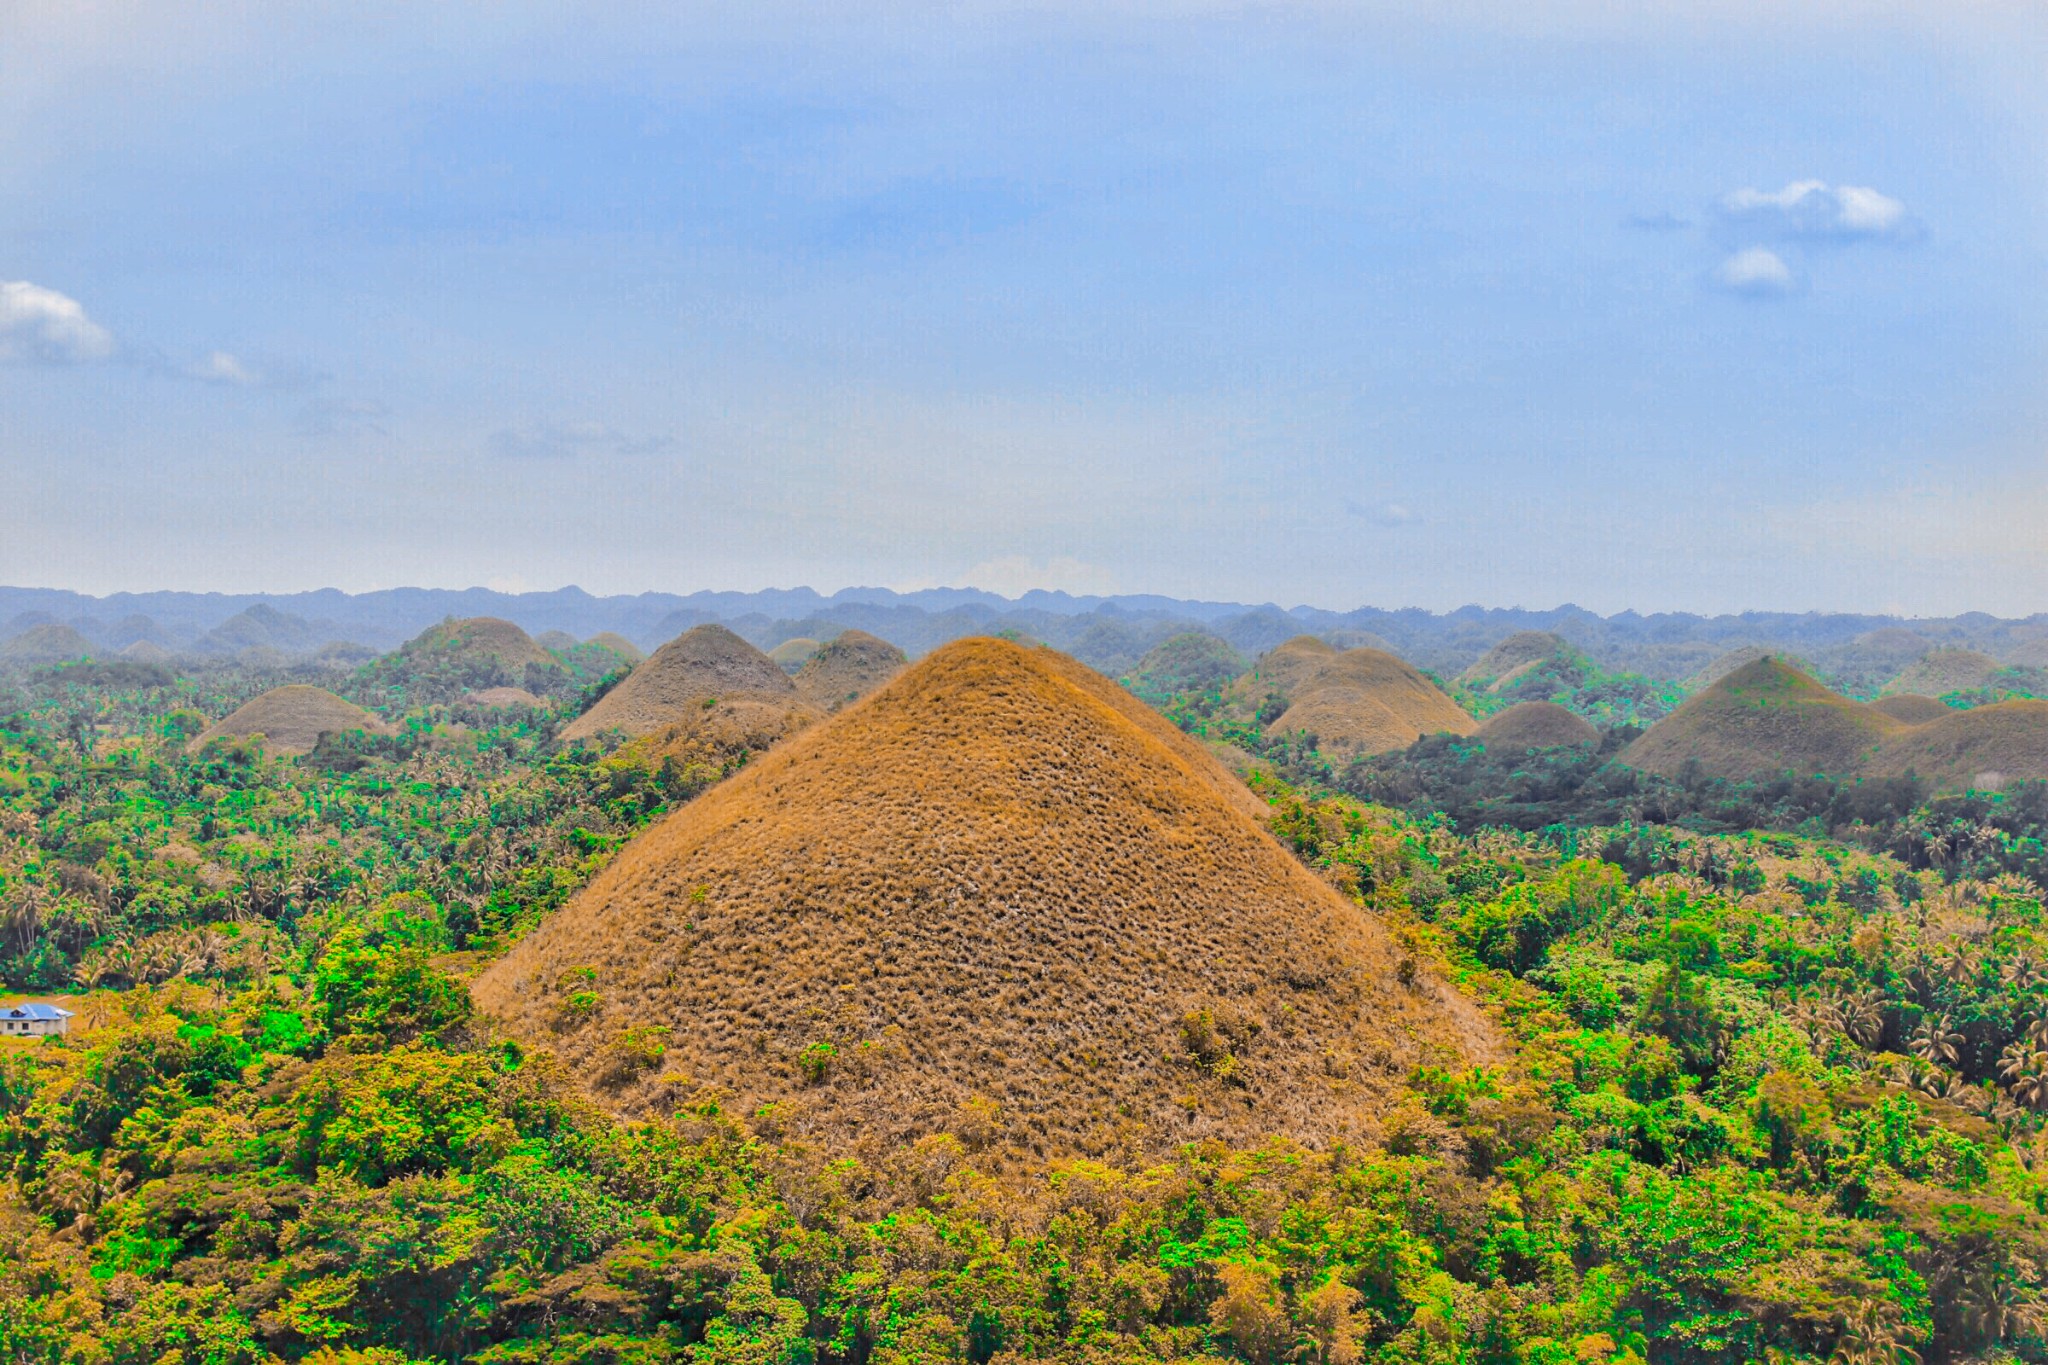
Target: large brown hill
703,664
291,720
480,638
1366,701
619,645
1536,725
1765,718
847,668
1000,895
1277,673
45,644
1986,747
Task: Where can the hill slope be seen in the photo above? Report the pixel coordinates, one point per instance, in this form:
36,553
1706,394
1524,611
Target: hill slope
1366,701
1986,747
1908,709
45,644
1536,725
1001,877
1766,717
1942,671
847,668
702,664
1517,651
291,720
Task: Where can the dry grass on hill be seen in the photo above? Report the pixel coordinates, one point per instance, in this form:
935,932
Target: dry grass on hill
1908,709
1987,747
725,732
790,654
1735,660
1536,725
1366,701
495,697
854,664
291,720
1765,718
1941,671
1517,652
45,644
999,897
1278,672
702,664
480,637
619,645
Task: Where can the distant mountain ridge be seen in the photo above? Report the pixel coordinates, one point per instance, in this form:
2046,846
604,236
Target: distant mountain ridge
1117,630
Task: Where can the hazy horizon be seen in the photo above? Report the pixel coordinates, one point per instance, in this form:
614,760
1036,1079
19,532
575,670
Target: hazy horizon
1706,308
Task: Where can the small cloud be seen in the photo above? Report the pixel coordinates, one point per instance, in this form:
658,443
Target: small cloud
1382,513
330,417
1757,273
1813,210
566,440
1658,222
221,368
42,326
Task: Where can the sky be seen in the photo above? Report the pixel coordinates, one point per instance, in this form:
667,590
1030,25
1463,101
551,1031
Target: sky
1677,306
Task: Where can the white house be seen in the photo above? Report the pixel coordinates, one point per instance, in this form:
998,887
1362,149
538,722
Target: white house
33,1021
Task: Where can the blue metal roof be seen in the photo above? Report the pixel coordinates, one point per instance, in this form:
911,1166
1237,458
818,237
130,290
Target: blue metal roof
36,1011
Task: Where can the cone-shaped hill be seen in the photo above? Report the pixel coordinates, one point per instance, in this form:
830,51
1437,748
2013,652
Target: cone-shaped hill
1945,670
1278,672
479,638
707,663
1536,725
619,645
1002,879
1763,719
45,644
791,654
1188,662
1986,747
291,720
1908,709
1519,650
853,664
1735,660
1366,701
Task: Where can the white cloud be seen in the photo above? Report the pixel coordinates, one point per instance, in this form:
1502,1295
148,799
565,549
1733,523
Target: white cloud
1757,272
1815,210
42,326
547,440
221,368
1388,514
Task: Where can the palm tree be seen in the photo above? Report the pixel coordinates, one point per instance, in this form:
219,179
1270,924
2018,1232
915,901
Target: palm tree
1870,1336
1936,1043
1997,1306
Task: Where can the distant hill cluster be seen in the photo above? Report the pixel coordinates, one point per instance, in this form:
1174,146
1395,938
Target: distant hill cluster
1858,654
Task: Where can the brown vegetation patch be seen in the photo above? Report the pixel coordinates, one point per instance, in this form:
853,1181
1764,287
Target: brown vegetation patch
1000,886
1940,671
481,637
496,697
1518,652
1986,747
1766,717
854,664
1366,701
1536,725
704,664
1908,709
791,654
291,720
45,644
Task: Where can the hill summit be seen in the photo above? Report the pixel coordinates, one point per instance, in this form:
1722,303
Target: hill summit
704,664
999,894
291,720
1764,718
847,668
1366,701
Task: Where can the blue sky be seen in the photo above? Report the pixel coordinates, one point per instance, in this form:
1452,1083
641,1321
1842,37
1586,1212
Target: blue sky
1666,307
